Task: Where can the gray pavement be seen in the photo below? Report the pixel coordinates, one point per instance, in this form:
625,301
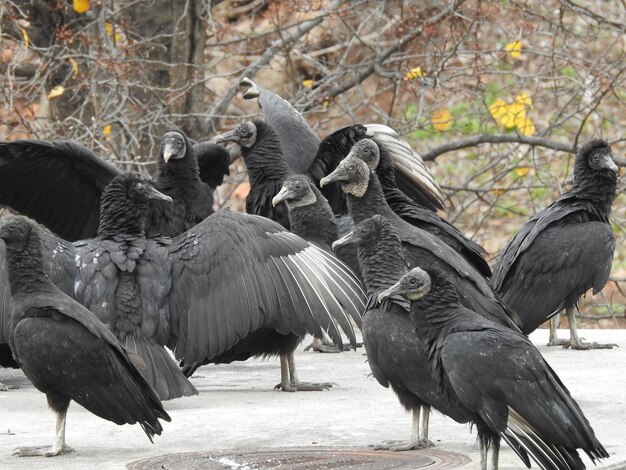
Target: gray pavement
238,410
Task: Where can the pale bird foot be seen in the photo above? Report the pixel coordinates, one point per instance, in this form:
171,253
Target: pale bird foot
582,345
42,451
303,386
403,446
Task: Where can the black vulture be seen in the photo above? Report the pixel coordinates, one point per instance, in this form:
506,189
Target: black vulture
370,152
498,376
65,351
305,153
267,170
232,287
311,218
397,357
122,277
564,250
59,184
365,198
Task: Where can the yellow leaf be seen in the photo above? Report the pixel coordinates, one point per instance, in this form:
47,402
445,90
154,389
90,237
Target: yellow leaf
514,48
524,98
441,119
26,38
106,130
108,27
522,170
81,6
74,66
498,191
415,72
307,83
525,126
501,113
56,91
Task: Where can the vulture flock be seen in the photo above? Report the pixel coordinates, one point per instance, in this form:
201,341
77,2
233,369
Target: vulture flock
115,288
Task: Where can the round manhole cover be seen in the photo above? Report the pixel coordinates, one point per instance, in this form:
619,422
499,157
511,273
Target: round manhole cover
304,459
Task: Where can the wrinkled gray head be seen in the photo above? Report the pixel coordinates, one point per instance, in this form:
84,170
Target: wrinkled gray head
15,230
413,285
297,191
173,146
352,174
598,155
368,151
243,134
366,233
132,188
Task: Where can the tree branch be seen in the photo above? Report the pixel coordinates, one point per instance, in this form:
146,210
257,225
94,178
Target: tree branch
380,58
496,139
283,42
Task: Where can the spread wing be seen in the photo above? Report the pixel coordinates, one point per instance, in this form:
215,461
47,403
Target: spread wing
56,183
235,273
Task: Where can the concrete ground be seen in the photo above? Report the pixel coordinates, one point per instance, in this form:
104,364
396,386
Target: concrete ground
237,409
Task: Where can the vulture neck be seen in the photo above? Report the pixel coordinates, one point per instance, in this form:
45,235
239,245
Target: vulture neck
382,263
314,222
598,187
434,314
120,217
25,266
179,178
264,160
371,203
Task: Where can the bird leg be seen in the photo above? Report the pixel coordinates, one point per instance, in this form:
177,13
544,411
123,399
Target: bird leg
419,433
489,460
579,343
423,435
57,448
289,378
554,339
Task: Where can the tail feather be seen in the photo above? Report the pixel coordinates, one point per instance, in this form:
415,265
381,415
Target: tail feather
161,371
525,441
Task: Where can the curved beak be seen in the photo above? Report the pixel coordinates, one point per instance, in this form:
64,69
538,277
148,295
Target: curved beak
168,151
158,196
610,164
388,293
345,240
230,136
283,194
337,175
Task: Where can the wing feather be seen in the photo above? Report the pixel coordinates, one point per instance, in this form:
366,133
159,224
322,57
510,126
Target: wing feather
262,276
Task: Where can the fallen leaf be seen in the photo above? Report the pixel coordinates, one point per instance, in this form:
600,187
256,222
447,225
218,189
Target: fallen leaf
522,170
106,130
498,191
56,91
307,83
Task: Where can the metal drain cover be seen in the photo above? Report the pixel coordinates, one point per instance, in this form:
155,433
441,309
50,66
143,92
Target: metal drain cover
304,459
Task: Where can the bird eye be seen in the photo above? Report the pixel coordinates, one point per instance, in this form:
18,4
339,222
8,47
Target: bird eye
366,150
351,168
298,186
